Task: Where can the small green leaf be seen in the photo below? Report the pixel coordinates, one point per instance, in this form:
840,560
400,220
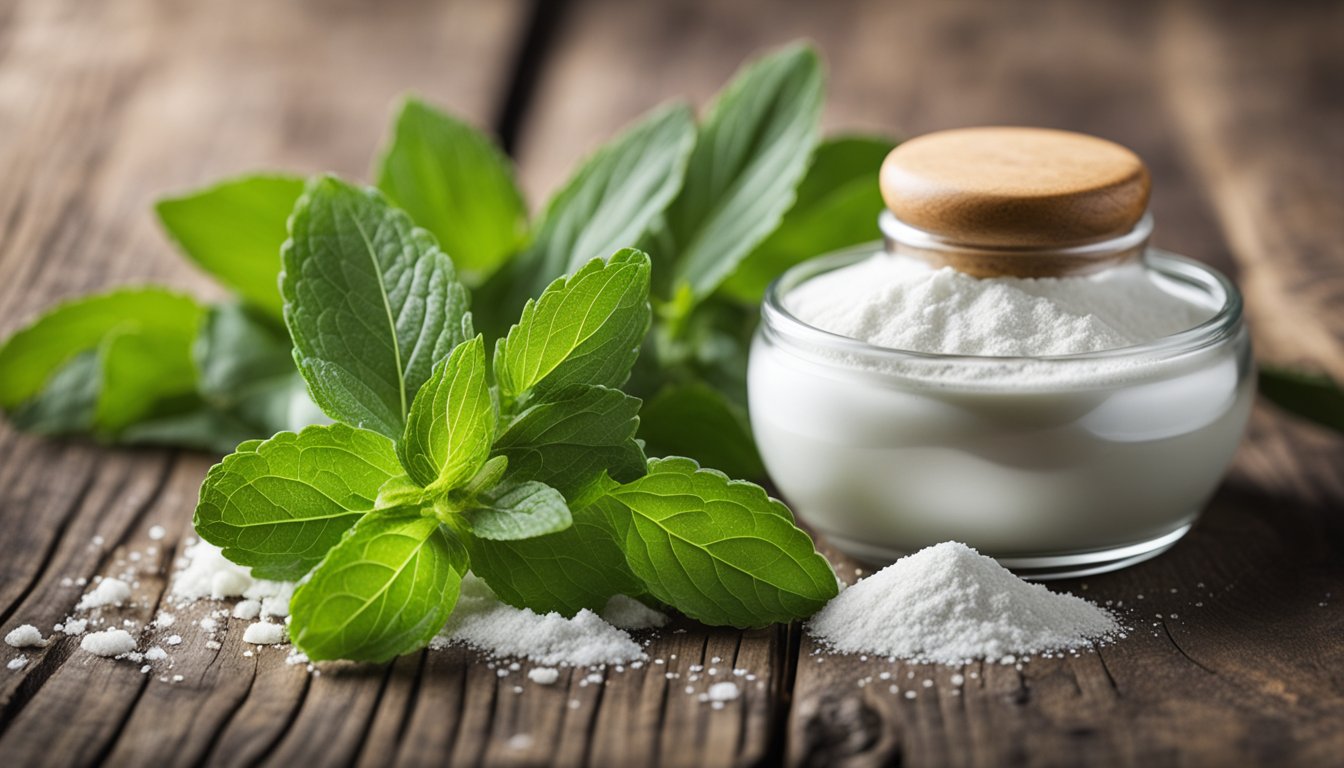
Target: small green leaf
371,303
67,403
573,436
609,203
719,550
386,589
234,230
454,182
279,505
203,428
452,421
246,369
692,419
837,206
750,154
585,329
522,511
1309,395
141,369
32,355
579,567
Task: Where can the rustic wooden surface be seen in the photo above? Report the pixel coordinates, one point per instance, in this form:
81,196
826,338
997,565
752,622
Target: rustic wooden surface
1238,109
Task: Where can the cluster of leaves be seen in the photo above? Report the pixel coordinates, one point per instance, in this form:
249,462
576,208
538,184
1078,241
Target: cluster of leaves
523,468
724,206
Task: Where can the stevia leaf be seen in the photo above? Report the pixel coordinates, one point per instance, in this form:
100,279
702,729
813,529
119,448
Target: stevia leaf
837,206
585,329
512,512
573,436
234,231
279,505
609,203
202,427
139,370
693,419
719,550
749,156
66,405
452,421
1309,395
579,567
31,356
386,589
371,303
457,184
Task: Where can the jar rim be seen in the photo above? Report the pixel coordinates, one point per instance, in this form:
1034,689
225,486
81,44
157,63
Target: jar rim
781,324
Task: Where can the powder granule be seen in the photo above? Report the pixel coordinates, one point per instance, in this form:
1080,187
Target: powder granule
950,604
25,636
483,622
112,642
108,592
264,633
543,675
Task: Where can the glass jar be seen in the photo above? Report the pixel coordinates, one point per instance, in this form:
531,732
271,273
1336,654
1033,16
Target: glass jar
1057,466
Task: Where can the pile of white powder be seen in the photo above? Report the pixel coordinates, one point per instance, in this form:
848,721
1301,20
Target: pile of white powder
902,303
949,604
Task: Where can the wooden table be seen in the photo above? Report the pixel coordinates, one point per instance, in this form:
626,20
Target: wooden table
1238,655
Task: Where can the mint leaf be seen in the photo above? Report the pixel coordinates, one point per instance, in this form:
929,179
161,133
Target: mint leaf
694,419
67,403
512,512
140,370
572,436
579,567
585,329
279,505
609,203
1309,395
837,206
719,550
371,303
384,590
201,427
234,230
454,182
245,366
452,421
749,156
32,355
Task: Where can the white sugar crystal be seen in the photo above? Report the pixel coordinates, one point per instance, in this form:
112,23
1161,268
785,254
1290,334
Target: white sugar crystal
155,653
264,633
543,675
112,642
164,620
156,532
174,640
75,626
247,609
18,662
25,636
723,692
109,591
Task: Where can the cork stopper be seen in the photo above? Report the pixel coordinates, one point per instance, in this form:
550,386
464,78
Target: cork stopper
1025,202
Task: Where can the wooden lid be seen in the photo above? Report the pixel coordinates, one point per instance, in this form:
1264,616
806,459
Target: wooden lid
1015,187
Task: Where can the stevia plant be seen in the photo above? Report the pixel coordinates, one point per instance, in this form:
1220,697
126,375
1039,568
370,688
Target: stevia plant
522,467
723,206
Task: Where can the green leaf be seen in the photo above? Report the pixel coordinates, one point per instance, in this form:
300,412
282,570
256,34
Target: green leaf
67,403
386,589
454,182
202,427
31,356
279,505
720,550
609,203
749,156
234,231
140,369
573,436
585,329
452,421
371,303
579,567
514,512
246,369
693,419
837,206
1309,395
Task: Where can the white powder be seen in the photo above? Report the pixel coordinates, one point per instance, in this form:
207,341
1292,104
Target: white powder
18,662
247,609
483,622
628,613
157,532
723,691
902,303
155,653
74,627
264,633
543,675
950,604
112,642
108,592
25,636
209,575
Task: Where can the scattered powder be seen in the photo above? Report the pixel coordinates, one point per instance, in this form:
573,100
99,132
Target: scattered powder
264,633
174,640
247,609
723,692
74,627
18,662
628,613
483,622
156,532
108,592
543,675
112,642
902,303
950,604
25,636
155,653
164,620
